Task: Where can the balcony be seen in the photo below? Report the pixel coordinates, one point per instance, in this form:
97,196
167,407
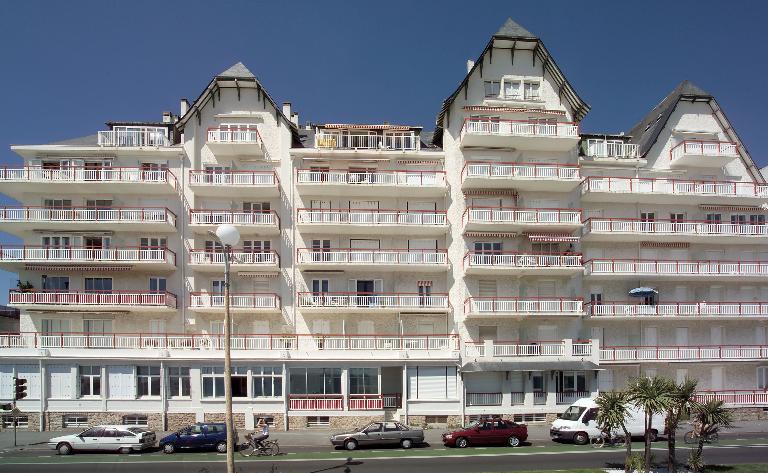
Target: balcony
137,258
630,229
611,150
519,134
366,221
121,301
234,183
633,354
241,260
368,302
705,154
340,182
18,181
238,302
519,219
710,270
647,190
522,307
88,218
236,140
735,398
523,176
346,259
522,264
266,222
134,137
372,402
553,349
315,402
694,310
362,141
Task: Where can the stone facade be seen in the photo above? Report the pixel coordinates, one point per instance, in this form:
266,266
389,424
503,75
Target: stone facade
55,420
33,422
238,418
750,413
421,421
177,420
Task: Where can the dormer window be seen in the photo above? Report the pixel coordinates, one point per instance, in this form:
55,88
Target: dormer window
492,88
531,90
513,88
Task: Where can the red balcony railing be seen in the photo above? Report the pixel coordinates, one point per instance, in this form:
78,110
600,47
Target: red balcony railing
523,305
121,298
365,256
237,300
88,174
735,397
684,309
674,267
477,214
79,254
234,134
208,177
88,214
380,177
363,402
704,148
510,259
373,300
239,256
626,185
372,217
676,227
702,352
505,170
495,126
232,217
315,402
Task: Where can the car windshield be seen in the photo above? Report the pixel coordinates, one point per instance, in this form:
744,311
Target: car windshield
472,424
573,413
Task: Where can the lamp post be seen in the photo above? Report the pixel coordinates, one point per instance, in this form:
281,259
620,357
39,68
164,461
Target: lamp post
227,236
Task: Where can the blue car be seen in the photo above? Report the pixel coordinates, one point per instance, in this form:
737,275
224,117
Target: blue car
202,435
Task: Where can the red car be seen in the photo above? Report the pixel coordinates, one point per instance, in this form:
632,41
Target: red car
487,432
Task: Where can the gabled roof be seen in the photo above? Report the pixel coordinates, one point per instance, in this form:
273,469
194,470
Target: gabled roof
513,31
237,70
646,132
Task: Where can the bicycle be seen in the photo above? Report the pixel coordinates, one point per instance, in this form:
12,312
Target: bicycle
267,447
612,440
693,436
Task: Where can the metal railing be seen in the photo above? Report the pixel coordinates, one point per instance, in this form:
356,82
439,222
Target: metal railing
87,174
214,178
628,185
363,402
611,149
239,256
483,399
370,300
704,148
234,134
476,214
340,140
673,309
371,178
385,342
493,126
522,260
75,254
121,298
569,397
362,256
735,397
678,268
87,214
491,170
218,217
372,217
529,305
532,348
678,227
703,352
134,136
237,300
315,402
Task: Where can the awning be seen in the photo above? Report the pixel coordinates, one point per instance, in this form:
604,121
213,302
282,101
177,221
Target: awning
552,237
664,244
247,274
642,291
424,284
527,365
354,126
512,192
735,208
76,267
488,108
491,234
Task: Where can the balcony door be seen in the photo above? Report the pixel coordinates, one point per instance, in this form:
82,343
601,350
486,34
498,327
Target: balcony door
98,284
367,291
217,175
55,283
217,292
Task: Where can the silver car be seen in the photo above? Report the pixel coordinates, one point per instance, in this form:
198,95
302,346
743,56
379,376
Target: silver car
379,433
112,438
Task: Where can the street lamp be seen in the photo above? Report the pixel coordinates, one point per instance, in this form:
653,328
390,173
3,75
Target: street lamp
227,236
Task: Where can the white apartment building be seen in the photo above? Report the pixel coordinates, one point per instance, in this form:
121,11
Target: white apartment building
508,264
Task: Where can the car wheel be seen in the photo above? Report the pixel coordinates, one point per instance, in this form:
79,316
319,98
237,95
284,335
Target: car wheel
169,448
64,449
221,447
513,441
581,438
350,444
124,450
653,435
406,443
461,442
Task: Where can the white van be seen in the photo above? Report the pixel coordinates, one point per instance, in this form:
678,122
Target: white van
579,423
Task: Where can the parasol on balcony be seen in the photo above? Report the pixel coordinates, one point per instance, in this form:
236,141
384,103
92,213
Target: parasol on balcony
642,291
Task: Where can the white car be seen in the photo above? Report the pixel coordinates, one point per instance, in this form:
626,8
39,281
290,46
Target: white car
111,438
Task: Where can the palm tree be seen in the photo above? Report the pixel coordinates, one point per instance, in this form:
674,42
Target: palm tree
683,400
708,419
612,413
653,396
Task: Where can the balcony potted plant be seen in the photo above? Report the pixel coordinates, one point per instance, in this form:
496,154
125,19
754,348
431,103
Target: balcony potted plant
24,286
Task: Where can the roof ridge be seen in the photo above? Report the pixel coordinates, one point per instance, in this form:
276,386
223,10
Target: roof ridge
513,29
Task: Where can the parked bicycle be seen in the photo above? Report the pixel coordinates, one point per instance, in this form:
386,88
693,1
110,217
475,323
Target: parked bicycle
266,448
608,438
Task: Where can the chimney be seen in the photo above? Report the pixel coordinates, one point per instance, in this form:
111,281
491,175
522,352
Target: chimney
167,117
295,118
184,106
287,109
470,65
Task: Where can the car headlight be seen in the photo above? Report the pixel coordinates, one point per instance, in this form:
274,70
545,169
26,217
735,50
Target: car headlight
448,436
565,427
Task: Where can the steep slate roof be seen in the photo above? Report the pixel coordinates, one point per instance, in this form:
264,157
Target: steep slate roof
647,131
513,31
237,70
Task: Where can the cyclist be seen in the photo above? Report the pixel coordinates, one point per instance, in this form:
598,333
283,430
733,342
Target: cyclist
263,435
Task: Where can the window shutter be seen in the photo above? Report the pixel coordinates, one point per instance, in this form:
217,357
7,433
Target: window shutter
432,382
450,383
413,382
122,382
605,380
487,288
32,374
61,382
6,382
378,286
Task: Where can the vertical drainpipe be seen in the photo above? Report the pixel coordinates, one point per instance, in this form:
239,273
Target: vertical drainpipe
404,397
163,397
286,383
41,421
183,248
463,397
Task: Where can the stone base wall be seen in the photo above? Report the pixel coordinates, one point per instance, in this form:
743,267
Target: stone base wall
33,422
55,420
279,420
749,413
178,420
336,422
238,419
420,421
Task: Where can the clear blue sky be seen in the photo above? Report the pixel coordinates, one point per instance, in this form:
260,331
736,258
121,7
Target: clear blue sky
67,67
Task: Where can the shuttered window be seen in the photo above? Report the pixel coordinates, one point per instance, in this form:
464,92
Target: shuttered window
487,288
122,382
32,374
432,382
6,382
61,382
605,380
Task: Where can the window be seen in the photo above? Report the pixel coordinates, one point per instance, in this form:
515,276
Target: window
432,382
74,420
319,286
57,203
153,242
512,89
315,380
256,207
213,381
239,381
531,90
51,326
257,246
140,420
488,247
98,203
738,219
269,420
677,218
318,421
714,218
94,432
97,326
157,284
90,381
545,248
267,381
757,219
492,88
98,284
762,377
572,381
22,422
55,283
363,381
647,216
56,241
148,380
538,417
96,242
178,382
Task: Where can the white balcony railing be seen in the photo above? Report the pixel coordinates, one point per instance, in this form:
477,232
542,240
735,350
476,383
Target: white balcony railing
513,305
234,133
371,217
662,353
484,399
73,254
385,342
238,257
521,260
704,148
215,178
88,214
522,216
366,300
735,397
611,149
85,174
372,178
489,126
207,300
676,227
134,137
354,256
362,140
218,217
95,298
679,309
533,171
676,268
579,348
630,185
569,397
